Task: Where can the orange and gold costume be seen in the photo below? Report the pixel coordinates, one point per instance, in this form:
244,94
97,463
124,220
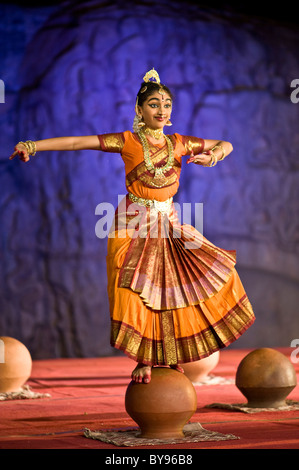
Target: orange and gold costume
174,296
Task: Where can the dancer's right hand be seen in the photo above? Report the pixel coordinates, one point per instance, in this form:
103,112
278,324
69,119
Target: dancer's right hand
20,150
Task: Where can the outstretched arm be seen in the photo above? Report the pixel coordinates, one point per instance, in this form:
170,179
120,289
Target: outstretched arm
90,142
213,151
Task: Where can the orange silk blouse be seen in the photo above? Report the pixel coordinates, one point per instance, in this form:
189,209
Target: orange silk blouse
138,179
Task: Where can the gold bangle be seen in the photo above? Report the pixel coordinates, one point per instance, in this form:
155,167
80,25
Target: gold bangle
214,160
222,149
30,146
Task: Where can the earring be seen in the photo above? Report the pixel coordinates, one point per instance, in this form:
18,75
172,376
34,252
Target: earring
141,123
168,123
137,123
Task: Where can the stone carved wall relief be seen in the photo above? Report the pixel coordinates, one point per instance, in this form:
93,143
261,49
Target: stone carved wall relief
229,82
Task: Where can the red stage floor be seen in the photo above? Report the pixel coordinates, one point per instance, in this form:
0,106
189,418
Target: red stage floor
89,393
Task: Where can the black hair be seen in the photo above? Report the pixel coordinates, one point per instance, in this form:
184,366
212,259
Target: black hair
148,88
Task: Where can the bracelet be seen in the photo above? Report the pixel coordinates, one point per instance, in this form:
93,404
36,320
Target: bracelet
222,149
214,160
30,147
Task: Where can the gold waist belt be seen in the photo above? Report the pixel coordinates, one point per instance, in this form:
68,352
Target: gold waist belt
160,206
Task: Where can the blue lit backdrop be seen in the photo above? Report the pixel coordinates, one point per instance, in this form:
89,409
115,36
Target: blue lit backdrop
74,69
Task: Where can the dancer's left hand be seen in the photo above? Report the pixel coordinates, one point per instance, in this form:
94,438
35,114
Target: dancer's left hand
200,159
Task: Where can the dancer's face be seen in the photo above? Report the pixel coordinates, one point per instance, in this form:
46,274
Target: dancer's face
156,110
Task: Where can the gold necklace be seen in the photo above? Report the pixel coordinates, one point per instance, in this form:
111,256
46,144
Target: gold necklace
156,133
159,179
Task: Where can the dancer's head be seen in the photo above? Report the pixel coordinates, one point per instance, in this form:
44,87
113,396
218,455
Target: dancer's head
153,103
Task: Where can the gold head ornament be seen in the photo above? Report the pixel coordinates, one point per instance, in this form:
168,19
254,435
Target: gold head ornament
151,74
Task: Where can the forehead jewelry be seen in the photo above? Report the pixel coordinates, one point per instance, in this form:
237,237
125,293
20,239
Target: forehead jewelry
161,91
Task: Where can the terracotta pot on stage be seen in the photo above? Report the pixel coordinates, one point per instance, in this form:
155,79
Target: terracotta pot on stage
15,364
198,371
162,407
266,377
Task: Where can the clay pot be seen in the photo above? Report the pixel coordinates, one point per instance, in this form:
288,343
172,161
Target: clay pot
266,377
162,407
197,371
15,364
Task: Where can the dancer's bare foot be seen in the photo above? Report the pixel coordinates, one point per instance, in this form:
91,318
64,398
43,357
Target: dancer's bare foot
142,373
178,368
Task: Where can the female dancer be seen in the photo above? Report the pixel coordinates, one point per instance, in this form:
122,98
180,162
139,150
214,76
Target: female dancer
174,297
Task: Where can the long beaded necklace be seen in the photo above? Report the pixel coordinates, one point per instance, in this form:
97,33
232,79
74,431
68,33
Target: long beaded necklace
159,178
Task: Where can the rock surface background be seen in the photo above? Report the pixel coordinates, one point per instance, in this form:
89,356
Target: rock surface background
74,69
